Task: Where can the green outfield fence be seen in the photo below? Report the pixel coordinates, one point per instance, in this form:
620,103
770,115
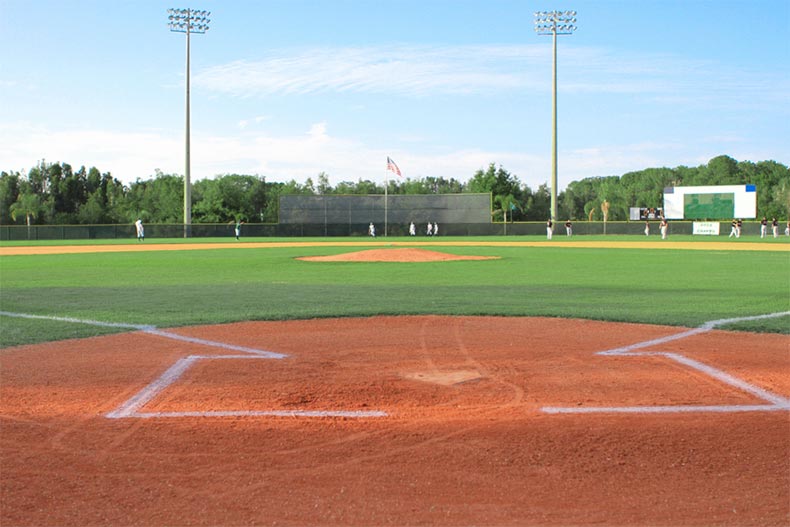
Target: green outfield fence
257,230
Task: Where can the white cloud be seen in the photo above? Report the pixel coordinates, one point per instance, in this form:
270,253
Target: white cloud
244,123
127,155
419,71
405,70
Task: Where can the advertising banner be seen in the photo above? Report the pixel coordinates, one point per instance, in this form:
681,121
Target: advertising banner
708,228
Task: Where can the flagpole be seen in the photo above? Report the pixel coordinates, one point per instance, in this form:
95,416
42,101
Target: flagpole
386,184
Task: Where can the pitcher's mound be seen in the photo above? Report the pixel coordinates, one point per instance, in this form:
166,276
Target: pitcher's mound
394,255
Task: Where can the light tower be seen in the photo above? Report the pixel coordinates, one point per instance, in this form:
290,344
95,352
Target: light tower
188,21
554,23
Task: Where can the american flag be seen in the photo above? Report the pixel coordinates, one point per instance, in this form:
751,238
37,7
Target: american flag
392,167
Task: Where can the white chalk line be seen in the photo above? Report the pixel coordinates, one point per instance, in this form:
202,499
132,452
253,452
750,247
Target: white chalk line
266,413
131,408
151,330
138,327
663,409
204,342
777,402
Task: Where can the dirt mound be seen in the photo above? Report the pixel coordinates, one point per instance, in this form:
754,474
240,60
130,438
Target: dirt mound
394,255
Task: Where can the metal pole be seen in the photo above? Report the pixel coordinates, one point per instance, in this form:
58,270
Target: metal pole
554,23
554,134
188,21
187,165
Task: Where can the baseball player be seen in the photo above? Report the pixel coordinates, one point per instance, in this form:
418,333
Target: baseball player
140,230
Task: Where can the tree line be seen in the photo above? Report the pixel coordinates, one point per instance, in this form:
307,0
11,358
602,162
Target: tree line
56,194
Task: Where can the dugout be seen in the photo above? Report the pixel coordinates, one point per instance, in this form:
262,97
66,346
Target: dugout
349,215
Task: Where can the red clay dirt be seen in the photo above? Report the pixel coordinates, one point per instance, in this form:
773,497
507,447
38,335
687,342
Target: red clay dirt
464,441
406,254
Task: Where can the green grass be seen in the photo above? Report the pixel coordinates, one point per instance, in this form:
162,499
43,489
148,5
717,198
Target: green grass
177,288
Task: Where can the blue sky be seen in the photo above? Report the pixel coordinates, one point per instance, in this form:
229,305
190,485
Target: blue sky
287,89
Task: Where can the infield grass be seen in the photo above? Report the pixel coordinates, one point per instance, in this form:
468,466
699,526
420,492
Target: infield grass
177,288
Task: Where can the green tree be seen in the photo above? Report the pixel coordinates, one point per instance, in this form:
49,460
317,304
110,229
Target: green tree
539,206
93,210
506,206
9,191
323,184
28,205
497,181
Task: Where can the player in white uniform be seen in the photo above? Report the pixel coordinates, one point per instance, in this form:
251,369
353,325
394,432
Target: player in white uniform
140,230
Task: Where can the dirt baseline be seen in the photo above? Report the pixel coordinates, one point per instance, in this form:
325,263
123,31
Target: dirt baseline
461,438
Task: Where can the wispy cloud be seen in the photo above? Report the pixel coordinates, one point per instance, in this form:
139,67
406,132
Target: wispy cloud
404,70
419,71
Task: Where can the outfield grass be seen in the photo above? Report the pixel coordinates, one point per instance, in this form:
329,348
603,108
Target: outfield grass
176,288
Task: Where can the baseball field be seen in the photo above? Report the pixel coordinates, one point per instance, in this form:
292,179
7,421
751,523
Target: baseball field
469,381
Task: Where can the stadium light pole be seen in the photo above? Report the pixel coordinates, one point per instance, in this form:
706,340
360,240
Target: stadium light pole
554,23
188,21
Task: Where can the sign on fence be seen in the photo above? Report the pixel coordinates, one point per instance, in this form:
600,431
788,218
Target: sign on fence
709,228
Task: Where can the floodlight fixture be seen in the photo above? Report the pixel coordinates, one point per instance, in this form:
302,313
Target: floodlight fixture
188,21
554,23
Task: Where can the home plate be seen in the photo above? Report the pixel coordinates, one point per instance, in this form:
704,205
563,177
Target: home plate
445,378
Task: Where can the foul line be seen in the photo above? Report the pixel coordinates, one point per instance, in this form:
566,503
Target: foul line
777,402
151,330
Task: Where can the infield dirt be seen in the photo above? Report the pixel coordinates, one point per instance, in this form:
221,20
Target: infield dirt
153,245
463,441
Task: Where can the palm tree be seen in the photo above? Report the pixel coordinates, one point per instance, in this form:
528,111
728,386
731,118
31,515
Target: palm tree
506,203
27,204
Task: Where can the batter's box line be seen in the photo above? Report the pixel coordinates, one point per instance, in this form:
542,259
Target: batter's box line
132,408
777,402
